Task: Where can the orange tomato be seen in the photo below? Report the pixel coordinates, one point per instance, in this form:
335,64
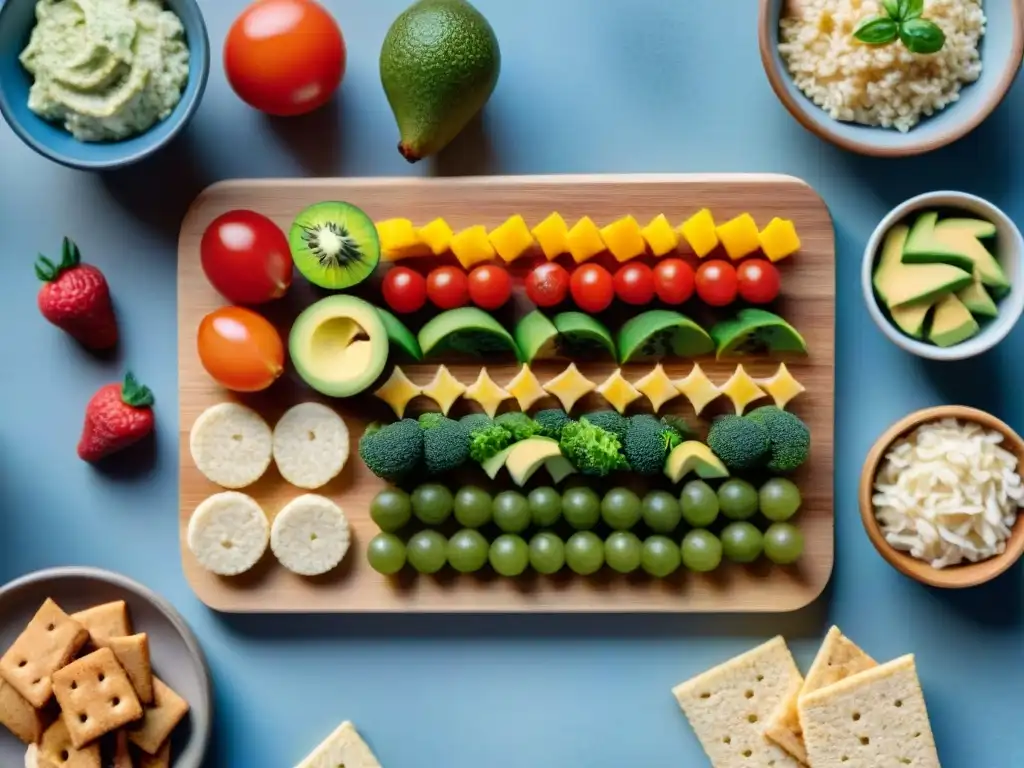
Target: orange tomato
240,349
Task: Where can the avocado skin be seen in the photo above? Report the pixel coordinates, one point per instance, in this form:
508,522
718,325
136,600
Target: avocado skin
439,65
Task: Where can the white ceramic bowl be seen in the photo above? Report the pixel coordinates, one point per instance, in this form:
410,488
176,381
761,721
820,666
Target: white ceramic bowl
1009,250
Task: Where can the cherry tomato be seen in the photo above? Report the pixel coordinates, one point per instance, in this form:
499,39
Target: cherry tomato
246,257
758,280
240,349
548,284
404,289
489,286
634,284
448,288
592,288
673,281
285,57
716,283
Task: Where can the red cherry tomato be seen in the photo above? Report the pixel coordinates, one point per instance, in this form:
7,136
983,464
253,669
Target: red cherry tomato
448,288
246,257
240,349
489,286
592,288
285,57
548,284
673,281
634,284
716,283
758,280
404,289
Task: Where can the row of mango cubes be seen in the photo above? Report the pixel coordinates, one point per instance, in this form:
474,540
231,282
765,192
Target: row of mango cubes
624,238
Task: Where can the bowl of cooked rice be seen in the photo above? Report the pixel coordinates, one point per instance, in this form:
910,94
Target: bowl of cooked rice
891,78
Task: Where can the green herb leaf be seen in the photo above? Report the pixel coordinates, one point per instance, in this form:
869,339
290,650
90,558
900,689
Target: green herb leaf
922,36
892,7
911,9
877,30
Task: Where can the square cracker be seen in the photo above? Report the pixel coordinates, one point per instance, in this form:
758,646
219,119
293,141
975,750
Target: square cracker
95,697
49,642
872,719
343,747
18,716
56,749
132,652
159,720
728,706
837,659
105,621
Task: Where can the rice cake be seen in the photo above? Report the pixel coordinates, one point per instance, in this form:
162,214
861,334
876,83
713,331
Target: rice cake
310,536
231,445
343,747
311,445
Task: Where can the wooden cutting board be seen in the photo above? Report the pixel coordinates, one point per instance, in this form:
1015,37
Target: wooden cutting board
807,301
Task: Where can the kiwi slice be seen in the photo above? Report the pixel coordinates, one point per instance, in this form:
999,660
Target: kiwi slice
334,245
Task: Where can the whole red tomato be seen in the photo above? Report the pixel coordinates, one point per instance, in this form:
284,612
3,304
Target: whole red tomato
673,281
404,289
489,286
548,284
758,281
716,283
634,284
246,257
285,57
592,288
448,288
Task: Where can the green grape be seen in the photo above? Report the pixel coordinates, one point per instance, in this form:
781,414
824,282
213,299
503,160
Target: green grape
386,553
737,499
620,509
661,511
427,551
741,542
547,553
702,551
545,506
511,512
698,503
584,553
660,556
581,508
391,509
432,503
783,543
509,555
622,551
472,506
467,550
780,499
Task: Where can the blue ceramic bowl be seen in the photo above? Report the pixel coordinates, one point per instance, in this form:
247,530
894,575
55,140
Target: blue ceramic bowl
17,19
1002,50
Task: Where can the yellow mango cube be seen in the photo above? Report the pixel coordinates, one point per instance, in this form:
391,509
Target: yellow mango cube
779,239
512,239
585,240
661,238
472,246
739,236
552,235
437,235
400,240
624,239
700,232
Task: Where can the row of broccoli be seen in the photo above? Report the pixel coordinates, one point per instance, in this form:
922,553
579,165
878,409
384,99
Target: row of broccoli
766,438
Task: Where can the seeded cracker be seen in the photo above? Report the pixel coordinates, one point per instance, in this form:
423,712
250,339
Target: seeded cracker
228,533
311,445
343,747
310,536
57,750
95,697
231,444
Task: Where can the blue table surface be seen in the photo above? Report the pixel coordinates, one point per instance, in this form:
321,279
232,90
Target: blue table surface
643,86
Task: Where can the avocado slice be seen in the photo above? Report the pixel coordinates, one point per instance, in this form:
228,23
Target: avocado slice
494,464
977,300
754,331
897,282
952,323
911,318
559,468
659,333
536,336
922,247
529,455
980,228
693,456
981,261
468,330
581,337
339,345
400,335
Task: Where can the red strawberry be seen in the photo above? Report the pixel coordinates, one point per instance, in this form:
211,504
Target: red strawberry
76,298
117,416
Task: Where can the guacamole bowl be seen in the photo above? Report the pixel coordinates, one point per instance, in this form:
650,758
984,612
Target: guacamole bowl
52,139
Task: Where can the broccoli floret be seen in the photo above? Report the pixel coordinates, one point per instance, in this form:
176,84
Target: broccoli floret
474,421
551,422
519,424
394,451
445,443
591,449
487,442
647,444
788,436
613,421
739,442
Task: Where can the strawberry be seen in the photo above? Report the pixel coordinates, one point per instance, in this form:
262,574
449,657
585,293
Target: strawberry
76,298
117,416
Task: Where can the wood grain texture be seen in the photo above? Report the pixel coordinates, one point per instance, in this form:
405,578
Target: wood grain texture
808,301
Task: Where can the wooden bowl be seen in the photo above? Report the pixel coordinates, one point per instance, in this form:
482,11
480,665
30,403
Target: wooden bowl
955,576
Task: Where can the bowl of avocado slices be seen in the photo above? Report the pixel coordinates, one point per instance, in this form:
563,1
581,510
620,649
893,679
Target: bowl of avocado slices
942,275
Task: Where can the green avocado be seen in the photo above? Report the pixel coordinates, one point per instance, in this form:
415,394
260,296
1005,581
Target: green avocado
339,345
527,456
980,228
755,331
954,242
660,333
960,237
897,282
559,468
951,323
911,318
494,464
468,330
400,335
581,337
922,247
536,337
977,299
693,456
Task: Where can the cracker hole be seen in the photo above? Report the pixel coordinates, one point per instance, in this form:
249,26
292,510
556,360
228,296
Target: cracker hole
917,735
844,758
102,677
74,685
899,703
749,694
83,717
64,755
313,537
227,544
856,716
311,435
50,627
864,741
727,740
237,438
705,695
904,761
37,681
751,718
114,702
22,663
747,753
760,678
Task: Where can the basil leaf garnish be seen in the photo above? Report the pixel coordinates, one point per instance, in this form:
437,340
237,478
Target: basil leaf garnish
877,30
911,9
921,36
892,7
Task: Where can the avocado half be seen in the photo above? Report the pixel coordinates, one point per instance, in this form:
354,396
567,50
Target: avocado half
339,345
756,331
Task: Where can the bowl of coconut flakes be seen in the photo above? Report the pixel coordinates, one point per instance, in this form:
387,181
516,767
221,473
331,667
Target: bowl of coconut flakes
891,78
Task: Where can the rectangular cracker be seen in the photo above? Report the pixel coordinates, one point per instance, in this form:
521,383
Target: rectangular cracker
838,658
49,642
343,747
159,720
132,652
56,743
105,621
728,706
162,759
95,697
874,718
18,716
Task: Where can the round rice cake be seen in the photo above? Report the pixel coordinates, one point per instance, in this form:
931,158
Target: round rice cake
231,445
228,533
311,445
310,536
